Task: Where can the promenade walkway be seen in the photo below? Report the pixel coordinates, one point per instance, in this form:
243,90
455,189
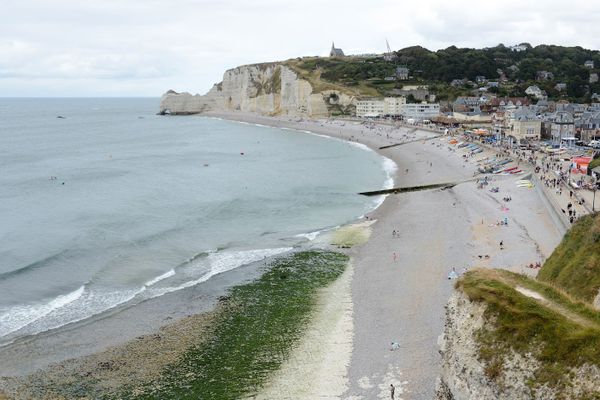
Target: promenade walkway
551,176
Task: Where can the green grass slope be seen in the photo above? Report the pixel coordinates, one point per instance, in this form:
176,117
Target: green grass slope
575,264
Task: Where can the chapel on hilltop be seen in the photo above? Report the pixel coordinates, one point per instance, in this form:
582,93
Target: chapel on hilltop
335,52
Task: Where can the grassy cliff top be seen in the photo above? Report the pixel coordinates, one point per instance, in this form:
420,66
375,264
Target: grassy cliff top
355,76
575,264
533,318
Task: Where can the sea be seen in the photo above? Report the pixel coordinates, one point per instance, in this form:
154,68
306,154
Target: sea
103,203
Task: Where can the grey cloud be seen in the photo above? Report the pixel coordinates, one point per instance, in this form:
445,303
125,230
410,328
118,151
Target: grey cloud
144,47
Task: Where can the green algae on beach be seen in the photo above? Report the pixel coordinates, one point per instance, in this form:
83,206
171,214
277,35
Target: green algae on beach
351,235
254,332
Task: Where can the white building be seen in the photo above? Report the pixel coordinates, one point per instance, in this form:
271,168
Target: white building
523,125
393,105
402,73
369,108
420,111
378,107
536,92
518,48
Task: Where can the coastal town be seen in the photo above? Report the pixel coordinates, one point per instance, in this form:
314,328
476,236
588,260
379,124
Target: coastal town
298,218
557,138
496,150
547,134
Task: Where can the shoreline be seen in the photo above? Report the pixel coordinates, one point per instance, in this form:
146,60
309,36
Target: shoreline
399,287
83,356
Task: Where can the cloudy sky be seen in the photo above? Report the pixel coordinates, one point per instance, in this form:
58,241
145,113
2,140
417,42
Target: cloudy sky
144,47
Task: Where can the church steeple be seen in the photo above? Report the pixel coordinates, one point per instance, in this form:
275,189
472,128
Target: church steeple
335,52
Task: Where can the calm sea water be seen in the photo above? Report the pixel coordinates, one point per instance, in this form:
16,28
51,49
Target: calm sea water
113,204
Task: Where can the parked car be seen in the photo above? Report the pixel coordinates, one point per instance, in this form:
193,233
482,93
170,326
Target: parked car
594,144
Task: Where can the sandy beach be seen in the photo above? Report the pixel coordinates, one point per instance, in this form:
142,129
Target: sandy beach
398,284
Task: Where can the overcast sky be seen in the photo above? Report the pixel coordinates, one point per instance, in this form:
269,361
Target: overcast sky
145,47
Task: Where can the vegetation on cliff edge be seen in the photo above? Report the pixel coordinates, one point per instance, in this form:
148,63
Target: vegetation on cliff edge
575,264
560,332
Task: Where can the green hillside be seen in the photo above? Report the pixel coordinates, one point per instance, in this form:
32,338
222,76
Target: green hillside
575,264
437,69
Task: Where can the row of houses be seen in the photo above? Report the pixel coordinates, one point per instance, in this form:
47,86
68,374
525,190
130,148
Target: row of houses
396,107
562,122
518,119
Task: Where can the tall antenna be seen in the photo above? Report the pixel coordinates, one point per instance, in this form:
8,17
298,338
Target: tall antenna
390,55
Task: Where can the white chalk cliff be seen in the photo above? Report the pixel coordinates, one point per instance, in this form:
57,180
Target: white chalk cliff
268,89
464,374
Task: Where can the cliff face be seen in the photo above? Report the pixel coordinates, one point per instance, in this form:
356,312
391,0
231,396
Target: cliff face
466,376
463,374
269,89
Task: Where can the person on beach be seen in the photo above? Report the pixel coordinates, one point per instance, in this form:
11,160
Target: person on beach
502,245
392,391
452,274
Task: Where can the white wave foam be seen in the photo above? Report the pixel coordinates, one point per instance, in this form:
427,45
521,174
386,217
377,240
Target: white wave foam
84,303
223,262
159,278
310,235
360,146
14,318
92,303
390,168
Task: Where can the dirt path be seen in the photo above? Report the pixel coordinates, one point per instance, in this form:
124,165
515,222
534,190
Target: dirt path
578,319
